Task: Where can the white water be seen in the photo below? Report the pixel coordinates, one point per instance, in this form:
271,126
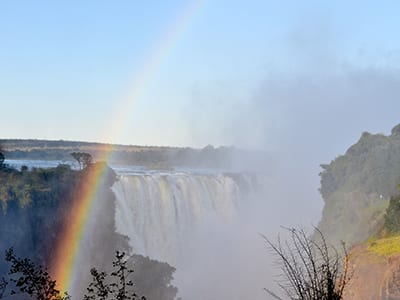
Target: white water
207,225
203,222
159,212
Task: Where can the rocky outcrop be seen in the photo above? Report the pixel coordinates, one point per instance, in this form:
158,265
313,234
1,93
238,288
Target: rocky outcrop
356,187
373,276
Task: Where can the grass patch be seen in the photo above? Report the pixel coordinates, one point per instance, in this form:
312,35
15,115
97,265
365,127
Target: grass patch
385,247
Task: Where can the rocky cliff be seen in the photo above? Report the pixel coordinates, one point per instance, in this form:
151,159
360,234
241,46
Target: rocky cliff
356,187
375,271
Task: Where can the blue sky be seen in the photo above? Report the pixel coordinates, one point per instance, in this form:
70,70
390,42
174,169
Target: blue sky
246,73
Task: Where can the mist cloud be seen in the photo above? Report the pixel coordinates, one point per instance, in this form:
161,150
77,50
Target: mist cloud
311,104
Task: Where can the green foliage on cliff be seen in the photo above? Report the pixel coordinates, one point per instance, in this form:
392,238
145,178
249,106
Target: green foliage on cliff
34,209
35,187
33,205
392,216
372,165
385,247
153,278
357,186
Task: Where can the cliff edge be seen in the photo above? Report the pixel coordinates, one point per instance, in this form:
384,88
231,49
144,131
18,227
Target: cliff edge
356,188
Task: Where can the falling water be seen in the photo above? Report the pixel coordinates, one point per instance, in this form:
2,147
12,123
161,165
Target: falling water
160,211
204,224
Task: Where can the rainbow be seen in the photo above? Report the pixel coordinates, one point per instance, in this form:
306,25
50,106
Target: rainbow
64,266
67,250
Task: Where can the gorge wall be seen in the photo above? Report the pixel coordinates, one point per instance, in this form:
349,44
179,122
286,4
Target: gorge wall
356,187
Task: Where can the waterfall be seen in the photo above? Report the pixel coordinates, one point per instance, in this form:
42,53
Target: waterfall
159,212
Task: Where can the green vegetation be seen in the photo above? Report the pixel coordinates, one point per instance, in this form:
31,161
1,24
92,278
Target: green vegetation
84,159
356,188
390,244
360,190
151,157
1,158
28,279
117,286
33,206
25,278
385,247
392,216
34,210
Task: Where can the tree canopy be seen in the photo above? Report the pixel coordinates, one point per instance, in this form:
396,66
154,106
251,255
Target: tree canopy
118,285
2,157
34,206
29,279
84,159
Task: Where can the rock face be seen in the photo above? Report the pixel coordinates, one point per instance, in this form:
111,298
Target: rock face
374,277
396,130
356,187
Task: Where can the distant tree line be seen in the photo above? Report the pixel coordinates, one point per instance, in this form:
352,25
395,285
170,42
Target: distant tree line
148,156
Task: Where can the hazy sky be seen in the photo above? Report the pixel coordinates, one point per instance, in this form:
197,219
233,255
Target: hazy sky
264,74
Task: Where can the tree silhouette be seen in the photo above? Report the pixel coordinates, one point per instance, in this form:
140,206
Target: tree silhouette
2,158
84,159
3,286
311,270
118,286
27,278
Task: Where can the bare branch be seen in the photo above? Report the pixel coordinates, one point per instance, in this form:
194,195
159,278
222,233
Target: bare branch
312,270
